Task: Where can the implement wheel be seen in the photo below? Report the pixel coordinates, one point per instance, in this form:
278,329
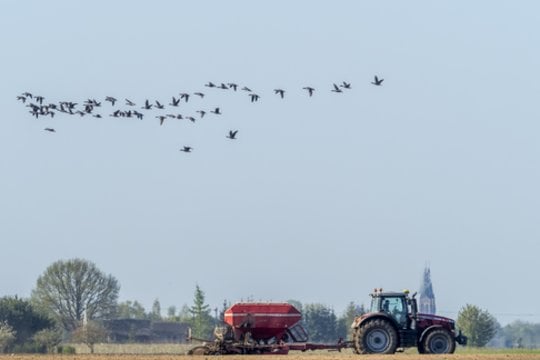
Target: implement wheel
199,350
376,336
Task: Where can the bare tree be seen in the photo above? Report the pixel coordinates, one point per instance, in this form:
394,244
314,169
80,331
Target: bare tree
74,290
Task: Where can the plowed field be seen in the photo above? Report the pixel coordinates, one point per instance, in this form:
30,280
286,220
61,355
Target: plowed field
292,356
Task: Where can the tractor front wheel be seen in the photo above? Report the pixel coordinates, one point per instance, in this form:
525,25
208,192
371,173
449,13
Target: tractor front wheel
376,336
438,341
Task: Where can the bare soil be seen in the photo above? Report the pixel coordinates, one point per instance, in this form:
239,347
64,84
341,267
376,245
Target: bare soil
292,356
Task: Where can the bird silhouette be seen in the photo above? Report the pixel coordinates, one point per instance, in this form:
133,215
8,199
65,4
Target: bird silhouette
116,113
216,111
376,81
199,94
159,105
129,102
280,92
201,112
223,86
49,129
161,119
245,88
39,99
175,101
21,98
233,86
184,96
147,105
110,99
210,84
186,149
232,134
345,85
27,94
336,89
254,97
309,89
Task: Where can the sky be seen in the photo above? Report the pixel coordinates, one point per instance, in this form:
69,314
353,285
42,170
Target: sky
319,199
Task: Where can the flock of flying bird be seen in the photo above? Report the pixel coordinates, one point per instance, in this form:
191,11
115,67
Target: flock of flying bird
39,108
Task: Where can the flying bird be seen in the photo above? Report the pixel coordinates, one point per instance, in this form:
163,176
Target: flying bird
223,86
210,84
345,85
216,111
309,89
232,134
233,86
49,129
336,89
21,98
110,99
159,105
254,97
161,119
27,94
245,88
186,149
201,112
129,102
175,101
147,105
184,96
377,81
199,94
280,92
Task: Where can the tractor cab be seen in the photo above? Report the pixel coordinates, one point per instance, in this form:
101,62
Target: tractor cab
398,305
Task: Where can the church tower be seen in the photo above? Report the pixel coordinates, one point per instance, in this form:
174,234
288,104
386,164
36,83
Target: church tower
426,303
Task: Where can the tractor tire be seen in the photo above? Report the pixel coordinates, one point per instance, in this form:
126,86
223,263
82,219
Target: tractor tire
199,350
376,336
438,341
354,336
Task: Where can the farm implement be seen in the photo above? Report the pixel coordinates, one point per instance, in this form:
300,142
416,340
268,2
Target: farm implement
392,324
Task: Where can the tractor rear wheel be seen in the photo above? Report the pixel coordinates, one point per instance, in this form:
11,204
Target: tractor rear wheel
438,341
376,336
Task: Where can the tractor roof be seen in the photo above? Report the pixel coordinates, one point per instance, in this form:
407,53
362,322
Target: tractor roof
389,293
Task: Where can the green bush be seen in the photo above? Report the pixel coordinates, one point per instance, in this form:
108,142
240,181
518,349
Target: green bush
29,347
65,349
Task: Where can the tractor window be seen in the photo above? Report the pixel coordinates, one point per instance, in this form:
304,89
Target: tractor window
396,307
375,307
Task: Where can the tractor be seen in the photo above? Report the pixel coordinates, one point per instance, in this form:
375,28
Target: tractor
393,323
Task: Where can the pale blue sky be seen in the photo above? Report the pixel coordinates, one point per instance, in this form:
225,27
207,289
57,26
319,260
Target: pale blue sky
320,199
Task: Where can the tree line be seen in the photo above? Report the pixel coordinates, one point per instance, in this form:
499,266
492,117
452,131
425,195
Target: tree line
71,296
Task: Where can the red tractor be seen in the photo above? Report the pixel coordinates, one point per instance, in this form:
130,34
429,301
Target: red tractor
393,323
